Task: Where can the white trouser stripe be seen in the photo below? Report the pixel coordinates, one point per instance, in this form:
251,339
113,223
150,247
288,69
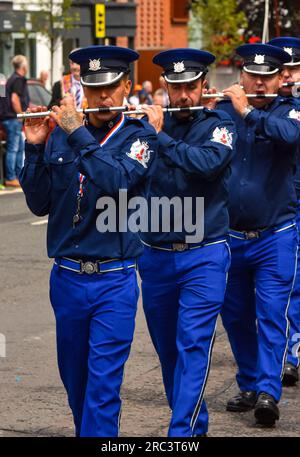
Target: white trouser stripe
199,403
200,400
284,228
286,315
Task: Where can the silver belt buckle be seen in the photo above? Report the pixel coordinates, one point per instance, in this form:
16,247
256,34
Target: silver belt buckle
180,247
89,267
251,235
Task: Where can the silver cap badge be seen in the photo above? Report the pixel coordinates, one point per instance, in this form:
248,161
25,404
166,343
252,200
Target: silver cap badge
179,67
95,65
259,58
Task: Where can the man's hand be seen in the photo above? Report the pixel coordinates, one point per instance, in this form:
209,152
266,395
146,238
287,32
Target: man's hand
209,103
238,98
155,116
37,129
66,115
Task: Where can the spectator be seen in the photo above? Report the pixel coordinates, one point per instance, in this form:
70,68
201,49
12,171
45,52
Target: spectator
43,78
69,84
162,84
134,99
146,93
158,98
17,101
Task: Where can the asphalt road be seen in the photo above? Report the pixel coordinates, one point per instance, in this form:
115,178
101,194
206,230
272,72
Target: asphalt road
32,398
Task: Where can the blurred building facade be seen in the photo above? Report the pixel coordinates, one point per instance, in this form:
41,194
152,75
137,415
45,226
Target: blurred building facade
161,24
149,26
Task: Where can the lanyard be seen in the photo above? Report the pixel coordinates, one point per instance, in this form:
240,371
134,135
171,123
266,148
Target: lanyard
81,178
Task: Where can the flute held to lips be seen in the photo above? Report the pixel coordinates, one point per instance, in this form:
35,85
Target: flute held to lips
293,83
125,109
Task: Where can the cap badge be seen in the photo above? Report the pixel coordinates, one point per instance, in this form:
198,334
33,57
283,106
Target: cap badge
95,65
289,51
179,67
259,58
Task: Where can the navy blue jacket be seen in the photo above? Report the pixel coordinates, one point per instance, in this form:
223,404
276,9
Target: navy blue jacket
50,182
191,163
261,187
297,175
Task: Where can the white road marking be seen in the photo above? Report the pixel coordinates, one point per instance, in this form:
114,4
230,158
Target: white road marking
12,191
43,222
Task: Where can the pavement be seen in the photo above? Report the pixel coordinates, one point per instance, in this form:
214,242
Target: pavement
33,400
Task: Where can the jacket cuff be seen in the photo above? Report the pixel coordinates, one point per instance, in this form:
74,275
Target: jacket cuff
80,140
164,139
34,153
253,117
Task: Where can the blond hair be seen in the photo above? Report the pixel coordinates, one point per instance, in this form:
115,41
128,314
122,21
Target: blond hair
19,61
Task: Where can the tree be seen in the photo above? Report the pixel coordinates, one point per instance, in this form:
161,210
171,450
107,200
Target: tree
51,19
222,26
284,17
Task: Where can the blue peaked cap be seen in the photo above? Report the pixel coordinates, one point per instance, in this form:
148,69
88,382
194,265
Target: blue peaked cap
262,59
103,65
291,45
182,65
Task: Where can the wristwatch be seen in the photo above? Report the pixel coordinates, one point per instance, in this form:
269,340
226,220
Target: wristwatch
246,111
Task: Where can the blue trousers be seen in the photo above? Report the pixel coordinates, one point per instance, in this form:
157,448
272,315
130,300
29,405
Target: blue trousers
182,296
257,299
294,310
14,148
95,317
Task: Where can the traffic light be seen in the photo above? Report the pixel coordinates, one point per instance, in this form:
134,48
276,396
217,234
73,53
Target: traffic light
100,31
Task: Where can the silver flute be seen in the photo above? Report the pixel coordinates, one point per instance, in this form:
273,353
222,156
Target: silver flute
125,110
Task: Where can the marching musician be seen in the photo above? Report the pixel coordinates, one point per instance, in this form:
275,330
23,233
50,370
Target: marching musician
93,286
183,280
263,235
290,75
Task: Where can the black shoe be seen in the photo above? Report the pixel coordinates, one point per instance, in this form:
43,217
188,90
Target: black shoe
266,410
244,401
290,375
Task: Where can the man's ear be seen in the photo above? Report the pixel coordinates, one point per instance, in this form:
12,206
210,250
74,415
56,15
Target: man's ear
279,82
84,90
128,85
242,78
204,83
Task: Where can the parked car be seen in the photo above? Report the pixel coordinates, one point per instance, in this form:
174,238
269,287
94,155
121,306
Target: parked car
38,95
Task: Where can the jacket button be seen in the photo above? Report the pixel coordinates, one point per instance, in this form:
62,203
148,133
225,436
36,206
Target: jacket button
60,159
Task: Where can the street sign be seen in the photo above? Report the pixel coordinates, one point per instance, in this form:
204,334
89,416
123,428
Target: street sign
12,21
100,28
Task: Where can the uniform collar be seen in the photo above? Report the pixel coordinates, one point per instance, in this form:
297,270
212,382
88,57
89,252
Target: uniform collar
105,128
195,115
277,101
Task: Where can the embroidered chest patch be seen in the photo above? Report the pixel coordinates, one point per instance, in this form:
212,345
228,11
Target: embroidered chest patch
223,136
293,114
140,151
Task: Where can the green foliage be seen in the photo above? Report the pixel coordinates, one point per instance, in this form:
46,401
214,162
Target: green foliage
53,17
286,12
222,26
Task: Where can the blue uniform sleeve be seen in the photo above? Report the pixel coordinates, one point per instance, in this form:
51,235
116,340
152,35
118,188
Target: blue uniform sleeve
207,159
35,179
284,128
134,159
